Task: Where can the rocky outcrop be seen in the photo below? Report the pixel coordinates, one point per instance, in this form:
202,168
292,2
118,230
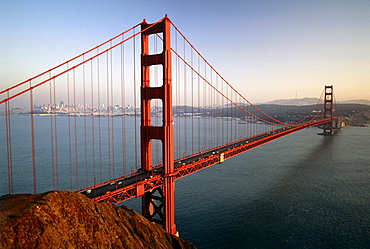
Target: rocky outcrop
65,219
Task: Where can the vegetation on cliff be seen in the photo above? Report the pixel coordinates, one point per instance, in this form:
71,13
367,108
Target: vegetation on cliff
65,219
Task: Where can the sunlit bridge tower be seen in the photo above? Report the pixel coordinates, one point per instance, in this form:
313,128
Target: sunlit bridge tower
159,204
328,110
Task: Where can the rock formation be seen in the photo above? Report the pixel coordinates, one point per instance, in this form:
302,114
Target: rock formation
65,219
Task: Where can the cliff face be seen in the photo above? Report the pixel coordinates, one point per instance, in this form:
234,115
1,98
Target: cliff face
70,220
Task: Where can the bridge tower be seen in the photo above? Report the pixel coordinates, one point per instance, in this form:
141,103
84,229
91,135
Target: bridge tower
328,110
163,213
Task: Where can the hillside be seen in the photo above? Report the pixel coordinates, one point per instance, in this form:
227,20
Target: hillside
70,220
313,101
352,114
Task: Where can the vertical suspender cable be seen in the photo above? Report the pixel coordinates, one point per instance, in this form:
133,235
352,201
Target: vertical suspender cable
84,109
211,95
227,116
56,141
92,121
192,103
123,125
99,120
212,120
205,108
185,126
51,134
108,118
69,132
222,114
178,124
113,108
211,111
249,122
33,140
9,145
216,115
214,139
211,102
198,89
135,99
235,117
232,114
75,125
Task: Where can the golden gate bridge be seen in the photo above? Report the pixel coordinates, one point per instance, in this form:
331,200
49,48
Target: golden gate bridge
129,117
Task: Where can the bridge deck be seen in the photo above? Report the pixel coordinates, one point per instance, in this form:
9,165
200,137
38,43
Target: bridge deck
136,184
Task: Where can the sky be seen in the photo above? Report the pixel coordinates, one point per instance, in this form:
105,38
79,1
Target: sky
267,50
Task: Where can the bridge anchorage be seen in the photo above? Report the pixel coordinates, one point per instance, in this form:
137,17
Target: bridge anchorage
201,121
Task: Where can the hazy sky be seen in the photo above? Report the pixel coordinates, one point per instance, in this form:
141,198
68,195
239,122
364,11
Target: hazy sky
266,49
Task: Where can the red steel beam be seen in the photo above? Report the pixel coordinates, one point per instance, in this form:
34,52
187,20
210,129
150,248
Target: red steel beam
138,189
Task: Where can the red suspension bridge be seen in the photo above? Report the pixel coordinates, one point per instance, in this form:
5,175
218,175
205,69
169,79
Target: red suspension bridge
128,118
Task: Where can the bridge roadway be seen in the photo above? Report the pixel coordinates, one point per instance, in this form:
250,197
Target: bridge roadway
136,184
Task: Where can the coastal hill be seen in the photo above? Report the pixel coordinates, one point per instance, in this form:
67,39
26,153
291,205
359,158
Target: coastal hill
66,219
351,114
313,101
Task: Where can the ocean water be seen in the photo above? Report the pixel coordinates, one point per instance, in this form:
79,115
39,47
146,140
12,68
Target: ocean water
300,191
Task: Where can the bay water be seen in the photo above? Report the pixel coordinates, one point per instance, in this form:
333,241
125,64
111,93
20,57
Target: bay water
300,191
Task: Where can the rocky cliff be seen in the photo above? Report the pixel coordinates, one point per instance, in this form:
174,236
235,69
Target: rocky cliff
70,220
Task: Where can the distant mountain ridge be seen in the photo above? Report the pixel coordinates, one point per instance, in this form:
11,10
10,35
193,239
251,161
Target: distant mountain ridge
356,101
313,101
304,101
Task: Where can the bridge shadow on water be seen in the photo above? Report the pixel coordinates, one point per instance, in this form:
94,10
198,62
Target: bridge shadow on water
298,209
306,167
254,196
